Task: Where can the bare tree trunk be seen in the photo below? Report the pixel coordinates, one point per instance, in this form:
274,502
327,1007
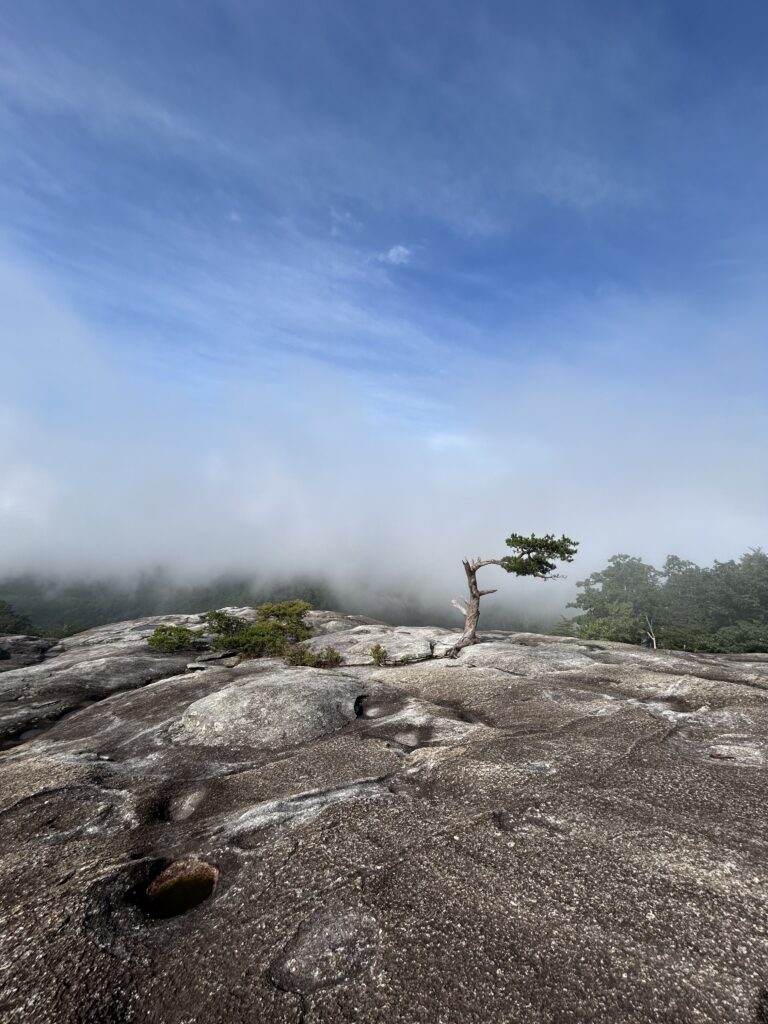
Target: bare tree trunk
472,609
650,632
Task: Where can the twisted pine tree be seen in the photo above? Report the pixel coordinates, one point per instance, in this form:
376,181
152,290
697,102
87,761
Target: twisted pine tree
532,556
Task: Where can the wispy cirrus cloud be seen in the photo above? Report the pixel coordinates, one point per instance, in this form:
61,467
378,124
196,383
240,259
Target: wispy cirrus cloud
497,138
396,256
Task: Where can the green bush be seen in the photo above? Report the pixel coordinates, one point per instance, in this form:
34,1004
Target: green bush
328,657
223,623
258,639
278,628
619,623
742,638
173,639
287,612
379,654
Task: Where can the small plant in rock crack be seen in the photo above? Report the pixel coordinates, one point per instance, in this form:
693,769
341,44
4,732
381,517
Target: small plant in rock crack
174,640
379,655
328,657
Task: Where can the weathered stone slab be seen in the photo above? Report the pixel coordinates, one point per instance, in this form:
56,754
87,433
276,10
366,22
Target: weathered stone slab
537,830
19,651
400,643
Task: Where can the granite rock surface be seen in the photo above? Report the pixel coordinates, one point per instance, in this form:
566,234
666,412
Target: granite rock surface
539,830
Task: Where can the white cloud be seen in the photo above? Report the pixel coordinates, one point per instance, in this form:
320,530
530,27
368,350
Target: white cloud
297,469
342,221
398,256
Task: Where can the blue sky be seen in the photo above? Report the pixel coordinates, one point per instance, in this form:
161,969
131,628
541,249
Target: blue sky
304,268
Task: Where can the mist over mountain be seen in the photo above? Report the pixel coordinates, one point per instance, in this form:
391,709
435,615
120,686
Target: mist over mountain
314,471
334,334
62,605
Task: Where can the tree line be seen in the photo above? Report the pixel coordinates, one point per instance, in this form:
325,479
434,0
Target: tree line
59,607
722,608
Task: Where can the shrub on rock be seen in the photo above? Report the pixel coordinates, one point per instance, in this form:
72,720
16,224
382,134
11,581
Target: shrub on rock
379,655
173,639
278,627
223,623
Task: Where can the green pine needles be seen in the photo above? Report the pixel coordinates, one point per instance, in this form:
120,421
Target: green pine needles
537,556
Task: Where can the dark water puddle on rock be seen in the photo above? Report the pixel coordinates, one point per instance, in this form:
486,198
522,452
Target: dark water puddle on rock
17,739
37,727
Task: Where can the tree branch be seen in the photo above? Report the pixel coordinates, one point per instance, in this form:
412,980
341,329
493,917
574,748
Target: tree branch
457,604
480,562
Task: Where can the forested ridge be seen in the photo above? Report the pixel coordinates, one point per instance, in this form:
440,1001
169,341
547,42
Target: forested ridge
681,605
31,603
59,606
684,606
